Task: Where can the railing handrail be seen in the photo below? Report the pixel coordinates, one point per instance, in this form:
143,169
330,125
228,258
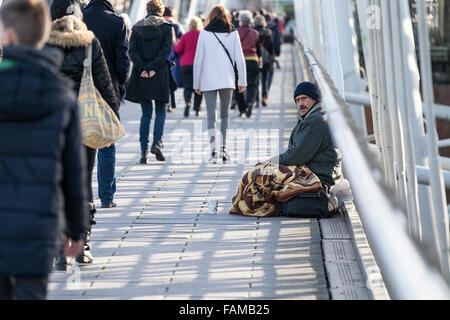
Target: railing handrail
405,270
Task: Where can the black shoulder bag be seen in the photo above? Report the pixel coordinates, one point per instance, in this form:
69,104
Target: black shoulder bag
307,205
236,74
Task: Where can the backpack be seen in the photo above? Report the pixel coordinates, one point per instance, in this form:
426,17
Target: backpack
266,55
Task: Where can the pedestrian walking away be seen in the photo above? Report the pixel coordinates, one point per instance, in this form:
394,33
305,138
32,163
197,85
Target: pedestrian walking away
169,15
267,54
252,53
43,198
70,34
218,49
110,29
150,45
186,47
276,37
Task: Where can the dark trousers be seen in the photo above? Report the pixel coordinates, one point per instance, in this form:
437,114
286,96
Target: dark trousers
266,79
246,100
106,174
187,76
23,287
144,129
91,153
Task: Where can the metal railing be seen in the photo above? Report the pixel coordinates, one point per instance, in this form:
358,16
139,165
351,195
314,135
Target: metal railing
406,170
406,273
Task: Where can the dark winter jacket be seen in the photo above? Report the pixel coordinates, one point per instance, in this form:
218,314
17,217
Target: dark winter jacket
311,144
74,42
42,162
276,37
110,30
267,46
150,46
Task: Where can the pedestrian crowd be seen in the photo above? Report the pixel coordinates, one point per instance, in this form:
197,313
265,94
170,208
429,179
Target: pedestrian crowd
45,168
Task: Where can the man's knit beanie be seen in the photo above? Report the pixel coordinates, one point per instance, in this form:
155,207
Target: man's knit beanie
60,8
309,89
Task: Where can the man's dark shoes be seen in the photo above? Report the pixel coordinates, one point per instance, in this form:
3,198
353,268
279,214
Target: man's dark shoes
107,205
186,110
157,152
61,262
144,158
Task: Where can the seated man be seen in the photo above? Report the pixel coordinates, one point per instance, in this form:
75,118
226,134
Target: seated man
299,185
311,143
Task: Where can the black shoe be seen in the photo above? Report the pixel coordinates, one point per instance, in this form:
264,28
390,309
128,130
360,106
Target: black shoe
61,262
159,155
213,158
144,157
107,205
248,113
264,101
197,113
224,154
86,256
186,111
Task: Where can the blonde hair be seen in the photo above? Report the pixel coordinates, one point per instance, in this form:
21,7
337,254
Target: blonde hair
195,24
259,21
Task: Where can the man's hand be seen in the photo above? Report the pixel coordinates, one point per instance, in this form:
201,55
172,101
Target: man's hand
151,74
198,91
242,89
72,248
144,74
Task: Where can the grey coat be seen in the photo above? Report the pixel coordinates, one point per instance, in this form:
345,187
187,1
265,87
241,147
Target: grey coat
311,144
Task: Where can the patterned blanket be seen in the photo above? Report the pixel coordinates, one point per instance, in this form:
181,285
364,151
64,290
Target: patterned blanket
267,183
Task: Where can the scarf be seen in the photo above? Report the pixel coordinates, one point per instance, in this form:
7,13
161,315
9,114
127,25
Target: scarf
219,26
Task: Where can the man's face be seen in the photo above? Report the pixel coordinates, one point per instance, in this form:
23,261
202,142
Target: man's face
304,104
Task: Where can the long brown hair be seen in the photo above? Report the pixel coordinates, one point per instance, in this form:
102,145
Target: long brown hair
220,13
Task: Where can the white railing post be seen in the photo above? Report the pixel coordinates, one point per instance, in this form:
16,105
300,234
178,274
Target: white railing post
439,216
348,48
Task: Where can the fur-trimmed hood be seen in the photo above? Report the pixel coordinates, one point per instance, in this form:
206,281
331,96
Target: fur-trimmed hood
70,32
151,20
150,27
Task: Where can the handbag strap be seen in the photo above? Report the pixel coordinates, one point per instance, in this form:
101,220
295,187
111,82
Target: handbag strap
88,57
225,48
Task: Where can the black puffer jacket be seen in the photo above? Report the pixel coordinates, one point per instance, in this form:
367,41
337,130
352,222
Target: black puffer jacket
42,162
70,34
150,46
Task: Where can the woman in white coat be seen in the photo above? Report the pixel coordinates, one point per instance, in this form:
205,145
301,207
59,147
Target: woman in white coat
218,48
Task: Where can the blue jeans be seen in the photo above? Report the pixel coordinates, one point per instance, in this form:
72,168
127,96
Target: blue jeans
160,120
106,174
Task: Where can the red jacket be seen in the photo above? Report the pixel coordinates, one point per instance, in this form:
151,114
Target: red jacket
187,47
249,41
